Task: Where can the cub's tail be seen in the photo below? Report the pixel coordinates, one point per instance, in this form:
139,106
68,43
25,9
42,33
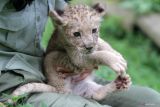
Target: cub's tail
30,88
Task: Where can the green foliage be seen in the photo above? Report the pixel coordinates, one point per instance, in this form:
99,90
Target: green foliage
112,27
15,99
81,1
25,105
142,6
22,105
18,101
47,33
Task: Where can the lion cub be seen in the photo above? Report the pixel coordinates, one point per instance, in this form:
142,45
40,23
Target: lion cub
74,51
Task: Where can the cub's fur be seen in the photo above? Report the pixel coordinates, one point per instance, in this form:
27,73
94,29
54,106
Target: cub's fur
74,51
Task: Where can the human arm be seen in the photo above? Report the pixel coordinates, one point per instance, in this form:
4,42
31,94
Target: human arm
2,4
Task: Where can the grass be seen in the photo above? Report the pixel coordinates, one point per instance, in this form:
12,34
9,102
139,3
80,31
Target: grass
143,60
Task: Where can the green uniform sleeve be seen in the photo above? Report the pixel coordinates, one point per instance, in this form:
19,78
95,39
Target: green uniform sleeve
20,36
57,4
2,4
60,4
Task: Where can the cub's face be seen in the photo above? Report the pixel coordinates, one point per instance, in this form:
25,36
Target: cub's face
82,35
80,26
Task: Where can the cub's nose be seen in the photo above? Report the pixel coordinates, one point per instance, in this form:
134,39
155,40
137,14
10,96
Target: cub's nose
89,48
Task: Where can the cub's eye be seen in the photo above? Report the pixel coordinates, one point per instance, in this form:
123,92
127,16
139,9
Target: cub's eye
94,30
77,34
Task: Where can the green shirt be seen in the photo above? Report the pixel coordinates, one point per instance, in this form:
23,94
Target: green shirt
20,36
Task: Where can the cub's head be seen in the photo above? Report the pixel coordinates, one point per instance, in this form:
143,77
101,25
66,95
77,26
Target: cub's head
80,26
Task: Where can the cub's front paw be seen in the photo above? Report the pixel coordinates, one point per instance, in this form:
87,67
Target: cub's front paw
123,82
118,64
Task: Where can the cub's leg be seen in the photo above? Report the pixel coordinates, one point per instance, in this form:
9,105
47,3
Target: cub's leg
30,88
54,78
112,58
107,58
103,45
33,87
121,83
89,89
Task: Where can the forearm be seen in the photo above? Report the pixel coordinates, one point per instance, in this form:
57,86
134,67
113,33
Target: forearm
101,57
107,58
60,4
2,4
103,45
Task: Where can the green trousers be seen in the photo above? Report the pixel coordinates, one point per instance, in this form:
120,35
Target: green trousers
136,96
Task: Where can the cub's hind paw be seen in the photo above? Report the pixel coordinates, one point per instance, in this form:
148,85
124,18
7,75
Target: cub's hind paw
123,82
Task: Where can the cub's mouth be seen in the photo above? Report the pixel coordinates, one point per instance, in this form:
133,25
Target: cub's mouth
88,51
85,50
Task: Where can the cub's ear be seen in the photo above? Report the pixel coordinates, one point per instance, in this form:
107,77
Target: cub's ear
99,9
56,17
